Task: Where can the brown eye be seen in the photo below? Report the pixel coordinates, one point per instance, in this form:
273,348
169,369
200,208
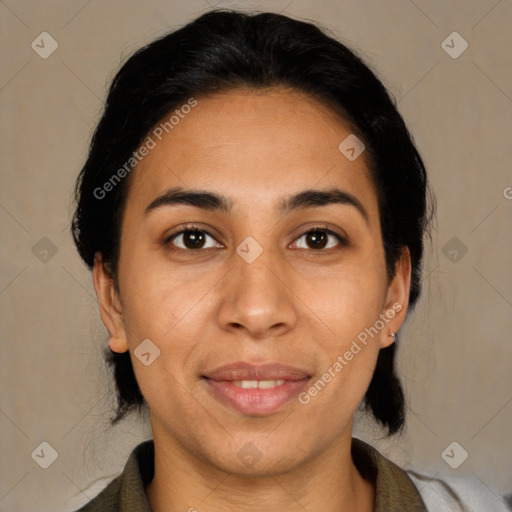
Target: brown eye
191,239
321,238
194,239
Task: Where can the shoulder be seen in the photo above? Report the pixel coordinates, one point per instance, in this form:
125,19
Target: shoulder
394,489
126,491
457,493
399,489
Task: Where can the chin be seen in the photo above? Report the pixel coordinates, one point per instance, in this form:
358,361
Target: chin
259,456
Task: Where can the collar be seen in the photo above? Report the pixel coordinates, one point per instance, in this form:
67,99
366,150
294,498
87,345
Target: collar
394,490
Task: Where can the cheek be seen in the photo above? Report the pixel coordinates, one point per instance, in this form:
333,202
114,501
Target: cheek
348,347
168,306
348,305
348,299
159,296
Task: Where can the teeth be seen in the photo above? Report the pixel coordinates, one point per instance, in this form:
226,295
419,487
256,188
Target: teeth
267,384
262,384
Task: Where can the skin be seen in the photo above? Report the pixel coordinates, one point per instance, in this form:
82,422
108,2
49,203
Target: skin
295,304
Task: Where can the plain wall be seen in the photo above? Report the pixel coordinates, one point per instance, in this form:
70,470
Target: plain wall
455,352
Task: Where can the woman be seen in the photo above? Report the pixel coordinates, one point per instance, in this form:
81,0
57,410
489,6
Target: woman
253,209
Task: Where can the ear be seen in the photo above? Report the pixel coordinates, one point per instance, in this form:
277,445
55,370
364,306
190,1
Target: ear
397,298
110,306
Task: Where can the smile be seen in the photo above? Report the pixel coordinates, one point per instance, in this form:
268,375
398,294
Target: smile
256,397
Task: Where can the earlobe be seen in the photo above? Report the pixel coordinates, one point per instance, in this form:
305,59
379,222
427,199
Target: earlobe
118,345
397,298
387,339
110,307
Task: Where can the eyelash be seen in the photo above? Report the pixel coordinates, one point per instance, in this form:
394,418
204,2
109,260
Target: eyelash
194,228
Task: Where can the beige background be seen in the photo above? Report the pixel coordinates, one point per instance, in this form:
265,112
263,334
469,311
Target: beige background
456,352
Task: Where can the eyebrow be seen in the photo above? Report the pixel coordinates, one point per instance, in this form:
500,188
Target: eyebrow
208,200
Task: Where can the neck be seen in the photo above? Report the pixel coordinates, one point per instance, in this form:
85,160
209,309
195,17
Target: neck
328,482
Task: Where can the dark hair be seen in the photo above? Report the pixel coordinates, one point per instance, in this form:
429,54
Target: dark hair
223,50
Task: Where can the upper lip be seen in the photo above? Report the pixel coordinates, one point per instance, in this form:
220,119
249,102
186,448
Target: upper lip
249,371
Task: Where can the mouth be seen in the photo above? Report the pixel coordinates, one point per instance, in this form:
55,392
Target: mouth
256,389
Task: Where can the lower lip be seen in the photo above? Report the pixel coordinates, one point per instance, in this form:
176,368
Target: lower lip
256,401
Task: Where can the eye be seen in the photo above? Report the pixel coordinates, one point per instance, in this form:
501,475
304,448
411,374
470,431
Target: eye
191,238
318,239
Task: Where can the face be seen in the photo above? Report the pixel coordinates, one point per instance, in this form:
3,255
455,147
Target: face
287,288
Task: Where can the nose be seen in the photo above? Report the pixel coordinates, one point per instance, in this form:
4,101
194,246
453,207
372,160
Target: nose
258,297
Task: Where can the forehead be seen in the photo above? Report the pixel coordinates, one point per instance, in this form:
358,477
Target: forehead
254,147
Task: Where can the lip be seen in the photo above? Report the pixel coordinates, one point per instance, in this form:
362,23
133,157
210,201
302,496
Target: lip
256,401
249,371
